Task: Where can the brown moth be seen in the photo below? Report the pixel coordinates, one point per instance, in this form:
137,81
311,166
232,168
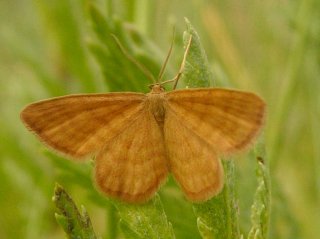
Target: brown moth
137,139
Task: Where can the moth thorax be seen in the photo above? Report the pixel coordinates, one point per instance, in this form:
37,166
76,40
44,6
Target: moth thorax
156,106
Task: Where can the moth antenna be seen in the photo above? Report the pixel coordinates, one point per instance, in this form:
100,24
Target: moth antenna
141,67
167,58
177,77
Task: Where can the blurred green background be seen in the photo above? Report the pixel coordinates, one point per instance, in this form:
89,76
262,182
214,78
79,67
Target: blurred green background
51,48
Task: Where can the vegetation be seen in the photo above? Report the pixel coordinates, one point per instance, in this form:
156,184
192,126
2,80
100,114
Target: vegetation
52,48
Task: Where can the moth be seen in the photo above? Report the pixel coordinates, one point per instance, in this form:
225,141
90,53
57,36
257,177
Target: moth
138,139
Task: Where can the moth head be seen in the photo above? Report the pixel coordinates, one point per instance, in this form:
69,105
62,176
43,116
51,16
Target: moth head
156,88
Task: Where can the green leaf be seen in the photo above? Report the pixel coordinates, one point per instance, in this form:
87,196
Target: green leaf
260,210
216,218
62,22
119,72
196,72
144,221
75,224
179,211
127,231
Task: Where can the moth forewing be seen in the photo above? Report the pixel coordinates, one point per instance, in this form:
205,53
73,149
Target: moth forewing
228,120
80,125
